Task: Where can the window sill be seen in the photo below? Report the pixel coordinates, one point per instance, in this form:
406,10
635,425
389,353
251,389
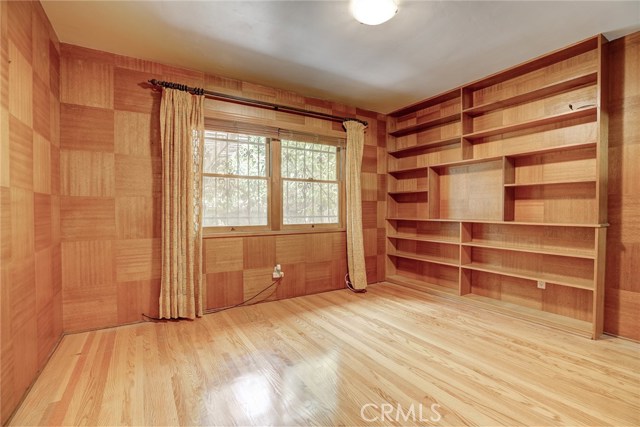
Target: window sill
213,235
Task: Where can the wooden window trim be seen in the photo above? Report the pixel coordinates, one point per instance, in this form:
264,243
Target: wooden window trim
275,218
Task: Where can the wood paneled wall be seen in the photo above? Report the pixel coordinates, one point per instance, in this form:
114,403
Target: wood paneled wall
110,188
30,262
622,297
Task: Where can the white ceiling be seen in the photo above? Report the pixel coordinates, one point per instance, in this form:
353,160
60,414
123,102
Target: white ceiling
317,49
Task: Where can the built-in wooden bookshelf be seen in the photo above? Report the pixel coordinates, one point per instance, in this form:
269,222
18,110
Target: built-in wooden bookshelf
497,191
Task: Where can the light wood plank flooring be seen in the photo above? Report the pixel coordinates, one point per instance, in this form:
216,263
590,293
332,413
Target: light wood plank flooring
321,359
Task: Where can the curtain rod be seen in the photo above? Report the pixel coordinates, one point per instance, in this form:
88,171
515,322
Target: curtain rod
254,102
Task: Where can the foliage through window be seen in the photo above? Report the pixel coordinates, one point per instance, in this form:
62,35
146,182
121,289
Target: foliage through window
234,180
244,186
310,183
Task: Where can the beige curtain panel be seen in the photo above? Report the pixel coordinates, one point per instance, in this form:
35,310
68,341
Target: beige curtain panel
355,245
182,130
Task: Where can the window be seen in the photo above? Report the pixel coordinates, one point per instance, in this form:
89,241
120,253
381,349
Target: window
255,182
309,183
234,180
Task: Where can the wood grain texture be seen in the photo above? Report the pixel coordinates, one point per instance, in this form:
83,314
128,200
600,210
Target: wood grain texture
129,131
86,128
87,173
479,367
87,218
622,297
30,299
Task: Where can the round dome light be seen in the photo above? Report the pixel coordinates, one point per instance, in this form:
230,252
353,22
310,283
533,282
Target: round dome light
373,12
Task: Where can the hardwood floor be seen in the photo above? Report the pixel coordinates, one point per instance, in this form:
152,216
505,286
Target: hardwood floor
339,358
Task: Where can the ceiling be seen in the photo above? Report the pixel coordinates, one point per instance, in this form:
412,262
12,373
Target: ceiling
317,49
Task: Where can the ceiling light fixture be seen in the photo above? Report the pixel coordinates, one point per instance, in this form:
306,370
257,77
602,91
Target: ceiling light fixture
373,12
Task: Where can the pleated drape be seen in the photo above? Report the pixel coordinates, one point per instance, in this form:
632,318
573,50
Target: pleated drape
182,131
355,245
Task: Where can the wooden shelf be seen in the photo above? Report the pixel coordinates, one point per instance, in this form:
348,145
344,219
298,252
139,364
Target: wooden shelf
405,236
402,218
423,286
584,112
426,125
572,282
425,145
552,320
559,148
406,170
426,103
488,221
425,258
542,183
544,91
394,193
575,253
501,173
549,224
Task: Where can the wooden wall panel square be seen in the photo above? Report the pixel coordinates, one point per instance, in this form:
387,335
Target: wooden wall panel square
87,173
293,282
87,263
41,107
22,296
5,173
42,217
56,268
43,279
138,217
369,186
5,223
19,32
137,134
54,70
138,176
84,81
570,302
22,220
254,281
371,267
369,214
225,254
622,312
339,270
40,44
133,94
318,277
370,159
25,354
54,184
291,249
89,307
21,84
224,289
87,218
136,298
20,154
319,247
46,333
54,121
259,252
138,259
41,164
339,245
86,128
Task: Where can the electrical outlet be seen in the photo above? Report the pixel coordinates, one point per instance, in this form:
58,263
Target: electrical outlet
277,272
542,284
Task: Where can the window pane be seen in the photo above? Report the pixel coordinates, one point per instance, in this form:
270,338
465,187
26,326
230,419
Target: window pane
310,202
305,160
234,201
235,154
